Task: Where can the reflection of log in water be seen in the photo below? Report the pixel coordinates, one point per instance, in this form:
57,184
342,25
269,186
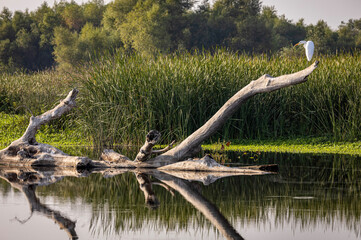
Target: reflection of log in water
27,182
146,186
209,210
36,206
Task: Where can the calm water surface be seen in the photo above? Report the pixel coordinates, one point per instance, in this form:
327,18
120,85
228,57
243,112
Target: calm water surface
312,197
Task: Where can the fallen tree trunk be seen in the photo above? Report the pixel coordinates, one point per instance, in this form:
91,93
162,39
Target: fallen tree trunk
112,159
266,83
192,144
26,151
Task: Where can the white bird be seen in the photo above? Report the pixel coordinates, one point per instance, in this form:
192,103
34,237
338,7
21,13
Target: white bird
309,47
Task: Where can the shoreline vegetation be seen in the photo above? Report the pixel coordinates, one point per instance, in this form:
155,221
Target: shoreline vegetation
64,138
301,145
123,96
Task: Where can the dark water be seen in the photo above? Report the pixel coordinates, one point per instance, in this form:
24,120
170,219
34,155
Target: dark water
312,197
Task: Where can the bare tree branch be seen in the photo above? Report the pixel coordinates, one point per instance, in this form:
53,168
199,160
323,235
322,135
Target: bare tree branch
26,151
266,83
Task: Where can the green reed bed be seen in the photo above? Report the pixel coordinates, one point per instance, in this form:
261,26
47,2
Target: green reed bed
124,96
25,94
32,92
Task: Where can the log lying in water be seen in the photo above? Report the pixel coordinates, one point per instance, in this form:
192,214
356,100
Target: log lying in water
111,159
207,163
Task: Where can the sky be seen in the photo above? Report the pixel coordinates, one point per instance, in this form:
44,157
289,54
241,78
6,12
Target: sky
332,11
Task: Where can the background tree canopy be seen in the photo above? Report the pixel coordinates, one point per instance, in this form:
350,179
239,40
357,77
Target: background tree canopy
69,34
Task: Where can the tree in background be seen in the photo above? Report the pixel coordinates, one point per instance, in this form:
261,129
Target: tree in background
324,38
226,20
349,35
93,12
150,27
47,20
26,39
66,51
283,32
73,16
197,32
69,34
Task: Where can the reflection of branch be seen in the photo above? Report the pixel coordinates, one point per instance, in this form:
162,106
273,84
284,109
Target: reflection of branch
164,186
209,210
24,221
27,181
37,206
146,186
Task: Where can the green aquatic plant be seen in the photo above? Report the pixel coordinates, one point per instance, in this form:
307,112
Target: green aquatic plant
126,95
123,96
290,145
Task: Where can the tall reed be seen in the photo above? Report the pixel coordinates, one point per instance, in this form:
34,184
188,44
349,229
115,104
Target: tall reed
25,94
126,95
22,92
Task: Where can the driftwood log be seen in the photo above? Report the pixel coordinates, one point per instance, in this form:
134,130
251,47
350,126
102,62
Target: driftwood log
192,144
26,151
264,84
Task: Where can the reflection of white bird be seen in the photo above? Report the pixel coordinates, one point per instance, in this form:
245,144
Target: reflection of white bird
309,46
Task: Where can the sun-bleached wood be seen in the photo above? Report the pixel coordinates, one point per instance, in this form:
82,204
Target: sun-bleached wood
266,83
26,151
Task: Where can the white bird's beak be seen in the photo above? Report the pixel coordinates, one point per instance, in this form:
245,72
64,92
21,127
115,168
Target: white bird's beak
296,44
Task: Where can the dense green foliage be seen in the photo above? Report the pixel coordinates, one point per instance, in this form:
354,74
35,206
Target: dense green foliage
70,34
124,96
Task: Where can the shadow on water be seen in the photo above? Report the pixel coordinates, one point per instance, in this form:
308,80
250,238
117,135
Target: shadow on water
308,190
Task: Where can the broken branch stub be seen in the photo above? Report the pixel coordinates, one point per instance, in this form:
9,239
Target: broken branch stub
147,149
